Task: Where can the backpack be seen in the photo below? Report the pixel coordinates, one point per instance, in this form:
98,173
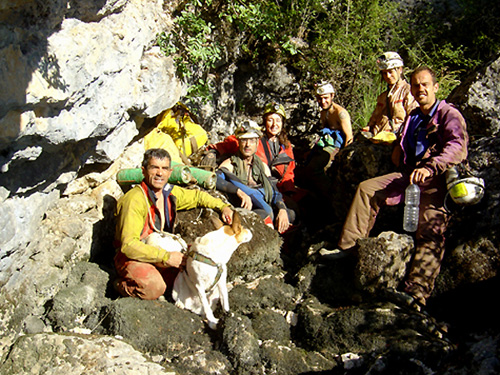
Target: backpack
180,124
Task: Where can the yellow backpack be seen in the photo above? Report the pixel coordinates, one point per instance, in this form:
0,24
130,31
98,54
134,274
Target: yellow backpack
157,139
178,122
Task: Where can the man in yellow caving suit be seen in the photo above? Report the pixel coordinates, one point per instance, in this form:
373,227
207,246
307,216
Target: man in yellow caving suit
145,271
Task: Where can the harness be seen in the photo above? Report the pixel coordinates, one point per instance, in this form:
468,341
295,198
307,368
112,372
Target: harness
167,217
271,157
204,259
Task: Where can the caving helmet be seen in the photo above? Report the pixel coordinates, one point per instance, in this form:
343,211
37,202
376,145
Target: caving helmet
467,191
389,60
464,191
274,107
324,87
248,129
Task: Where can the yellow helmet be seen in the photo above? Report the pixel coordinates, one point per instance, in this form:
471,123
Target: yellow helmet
274,107
466,191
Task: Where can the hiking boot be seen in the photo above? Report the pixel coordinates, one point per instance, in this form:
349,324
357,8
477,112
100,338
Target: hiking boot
209,161
416,291
405,299
335,254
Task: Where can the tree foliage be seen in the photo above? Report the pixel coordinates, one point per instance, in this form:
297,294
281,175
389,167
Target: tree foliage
336,40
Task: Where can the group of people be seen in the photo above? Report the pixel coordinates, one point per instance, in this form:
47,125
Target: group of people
256,169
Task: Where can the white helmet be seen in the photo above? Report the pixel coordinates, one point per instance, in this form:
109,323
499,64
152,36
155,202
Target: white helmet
463,191
389,60
466,191
248,129
323,88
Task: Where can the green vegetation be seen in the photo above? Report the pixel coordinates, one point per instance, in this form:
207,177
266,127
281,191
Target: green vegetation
336,40
192,44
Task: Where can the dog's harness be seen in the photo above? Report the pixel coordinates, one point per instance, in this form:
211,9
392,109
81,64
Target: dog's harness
204,259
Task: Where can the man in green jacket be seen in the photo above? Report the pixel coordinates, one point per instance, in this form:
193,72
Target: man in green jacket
145,271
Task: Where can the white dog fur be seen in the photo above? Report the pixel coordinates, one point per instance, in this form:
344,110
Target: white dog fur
190,286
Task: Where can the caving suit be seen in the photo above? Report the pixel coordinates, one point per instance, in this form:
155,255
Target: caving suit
392,107
141,268
256,184
435,143
280,159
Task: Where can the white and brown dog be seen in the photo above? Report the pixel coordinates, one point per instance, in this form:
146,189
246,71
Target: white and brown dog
203,282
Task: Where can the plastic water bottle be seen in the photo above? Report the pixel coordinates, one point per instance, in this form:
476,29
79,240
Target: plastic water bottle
412,201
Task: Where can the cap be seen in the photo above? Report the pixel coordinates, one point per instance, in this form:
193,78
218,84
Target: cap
323,88
248,129
274,107
389,60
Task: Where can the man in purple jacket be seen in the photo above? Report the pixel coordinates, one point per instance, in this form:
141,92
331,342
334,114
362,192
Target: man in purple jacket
433,138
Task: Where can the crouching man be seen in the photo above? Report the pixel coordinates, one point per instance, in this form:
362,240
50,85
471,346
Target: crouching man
146,271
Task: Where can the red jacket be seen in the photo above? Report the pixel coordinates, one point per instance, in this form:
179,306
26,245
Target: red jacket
282,166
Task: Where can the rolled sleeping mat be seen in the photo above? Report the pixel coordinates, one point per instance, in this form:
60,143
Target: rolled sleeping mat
129,176
181,175
206,179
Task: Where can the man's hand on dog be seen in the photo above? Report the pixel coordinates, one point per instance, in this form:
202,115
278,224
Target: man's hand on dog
176,259
227,215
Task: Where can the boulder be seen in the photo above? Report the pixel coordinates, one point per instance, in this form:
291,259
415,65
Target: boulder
242,344
382,261
478,98
340,333
85,292
74,354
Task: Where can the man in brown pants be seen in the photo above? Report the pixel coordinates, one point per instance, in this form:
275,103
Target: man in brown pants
433,138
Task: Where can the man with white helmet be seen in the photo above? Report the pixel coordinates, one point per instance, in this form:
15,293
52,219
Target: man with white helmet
334,134
245,177
396,102
333,116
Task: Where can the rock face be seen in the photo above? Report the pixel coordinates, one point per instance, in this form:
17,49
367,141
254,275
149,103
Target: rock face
478,98
68,101
83,82
79,80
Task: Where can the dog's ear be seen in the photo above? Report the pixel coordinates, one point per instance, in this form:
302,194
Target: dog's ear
216,222
236,223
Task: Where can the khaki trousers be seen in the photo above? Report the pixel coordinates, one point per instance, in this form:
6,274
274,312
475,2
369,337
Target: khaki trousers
389,189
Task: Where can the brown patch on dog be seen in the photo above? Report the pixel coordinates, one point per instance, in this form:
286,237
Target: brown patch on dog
238,228
228,230
216,222
235,228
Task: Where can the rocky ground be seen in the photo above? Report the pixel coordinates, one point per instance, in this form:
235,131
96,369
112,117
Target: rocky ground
84,82
291,312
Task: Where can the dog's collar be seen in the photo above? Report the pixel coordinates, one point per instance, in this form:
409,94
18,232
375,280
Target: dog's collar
204,259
